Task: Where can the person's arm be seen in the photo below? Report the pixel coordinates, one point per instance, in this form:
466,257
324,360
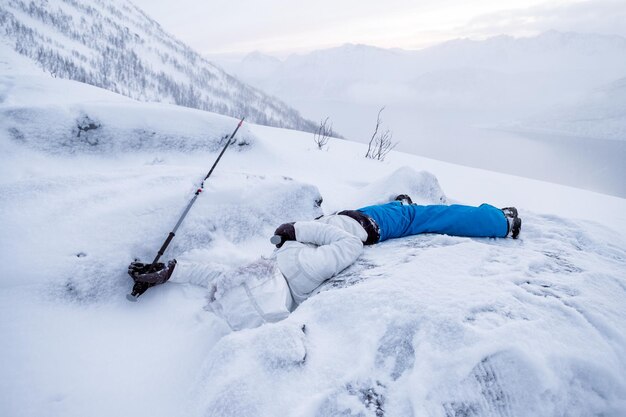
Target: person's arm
197,273
334,250
320,252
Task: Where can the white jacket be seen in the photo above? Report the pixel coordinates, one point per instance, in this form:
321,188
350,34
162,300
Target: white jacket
321,250
203,274
345,223
267,290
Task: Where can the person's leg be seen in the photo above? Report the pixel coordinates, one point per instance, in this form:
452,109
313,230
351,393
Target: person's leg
456,220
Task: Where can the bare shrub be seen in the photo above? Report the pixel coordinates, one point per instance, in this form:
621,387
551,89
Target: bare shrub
323,133
381,142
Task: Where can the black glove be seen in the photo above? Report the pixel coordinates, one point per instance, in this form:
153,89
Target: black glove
149,274
286,231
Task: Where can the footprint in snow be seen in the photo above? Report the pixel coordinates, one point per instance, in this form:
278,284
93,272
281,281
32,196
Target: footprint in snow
396,353
356,399
555,262
500,385
547,289
492,316
362,269
430,241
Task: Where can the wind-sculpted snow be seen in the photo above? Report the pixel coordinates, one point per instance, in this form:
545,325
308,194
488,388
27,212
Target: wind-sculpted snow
84,267
455,327
95,129
281,355
64,117
422,186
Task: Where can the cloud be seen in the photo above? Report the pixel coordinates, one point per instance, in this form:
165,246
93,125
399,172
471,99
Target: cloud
284,25
590,16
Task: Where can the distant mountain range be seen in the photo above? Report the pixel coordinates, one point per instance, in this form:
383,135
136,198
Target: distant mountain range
114,45
551,52
478,82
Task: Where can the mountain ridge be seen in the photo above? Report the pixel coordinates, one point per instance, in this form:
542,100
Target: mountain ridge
117,46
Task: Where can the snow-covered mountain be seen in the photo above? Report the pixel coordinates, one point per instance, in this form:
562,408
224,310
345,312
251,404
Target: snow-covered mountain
116,46
518,75
552,51
429,325
323,74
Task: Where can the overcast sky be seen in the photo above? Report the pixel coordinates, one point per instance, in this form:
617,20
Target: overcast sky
284,26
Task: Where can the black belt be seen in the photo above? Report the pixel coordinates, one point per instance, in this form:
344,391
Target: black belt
370,226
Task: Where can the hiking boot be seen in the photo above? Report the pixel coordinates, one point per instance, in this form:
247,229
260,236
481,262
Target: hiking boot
515,226
510,212
404,199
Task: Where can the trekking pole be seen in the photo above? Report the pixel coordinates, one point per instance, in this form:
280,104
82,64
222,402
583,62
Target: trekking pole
193,200
140,288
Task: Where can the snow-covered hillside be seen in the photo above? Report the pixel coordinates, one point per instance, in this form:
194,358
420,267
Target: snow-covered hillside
116,46
429,325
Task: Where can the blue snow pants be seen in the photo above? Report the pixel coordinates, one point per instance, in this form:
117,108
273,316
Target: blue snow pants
397,220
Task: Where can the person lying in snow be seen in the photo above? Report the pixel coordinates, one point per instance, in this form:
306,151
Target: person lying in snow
311,252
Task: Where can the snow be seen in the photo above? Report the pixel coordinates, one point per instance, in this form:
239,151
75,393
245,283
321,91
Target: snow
427,325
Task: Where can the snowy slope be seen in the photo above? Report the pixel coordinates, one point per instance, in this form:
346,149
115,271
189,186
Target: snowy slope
116,46
423,326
